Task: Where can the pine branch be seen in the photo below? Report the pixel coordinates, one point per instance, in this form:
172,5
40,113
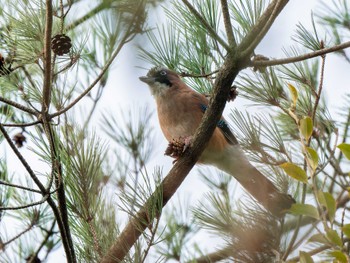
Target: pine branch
211,31
98,78
56,167
282,61
42,189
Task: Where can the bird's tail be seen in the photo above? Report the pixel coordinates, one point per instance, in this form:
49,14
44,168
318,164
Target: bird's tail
265,192
260,187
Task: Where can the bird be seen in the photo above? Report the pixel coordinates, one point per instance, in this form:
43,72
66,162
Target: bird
180,110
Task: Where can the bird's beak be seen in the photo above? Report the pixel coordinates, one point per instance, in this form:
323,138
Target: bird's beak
148,80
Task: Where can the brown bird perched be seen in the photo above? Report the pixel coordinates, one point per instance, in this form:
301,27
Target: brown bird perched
180,111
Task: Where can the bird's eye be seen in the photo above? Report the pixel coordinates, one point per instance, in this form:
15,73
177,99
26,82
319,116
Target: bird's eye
163,73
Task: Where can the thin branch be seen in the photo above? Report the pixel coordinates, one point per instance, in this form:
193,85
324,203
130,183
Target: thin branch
227,24
211,31
314,54
23,161
311,252
20,187
49,233
150,243
47,59
42,189
18,235
21,124
206,75
19,106
90,14
43,200
93,84
258,31
318,95
214,256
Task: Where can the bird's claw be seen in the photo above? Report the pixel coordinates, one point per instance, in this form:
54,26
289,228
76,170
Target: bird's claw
177,147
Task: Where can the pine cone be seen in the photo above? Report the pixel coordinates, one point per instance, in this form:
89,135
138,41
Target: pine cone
4,69
19,139
61,44
175,148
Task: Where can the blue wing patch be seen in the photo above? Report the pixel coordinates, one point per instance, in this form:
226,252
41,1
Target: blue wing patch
224,128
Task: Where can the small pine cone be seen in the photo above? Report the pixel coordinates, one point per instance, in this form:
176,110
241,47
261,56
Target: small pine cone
19,139
61,44
232,94
175,148
4,70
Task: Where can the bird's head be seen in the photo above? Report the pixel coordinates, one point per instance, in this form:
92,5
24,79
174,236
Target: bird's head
160,79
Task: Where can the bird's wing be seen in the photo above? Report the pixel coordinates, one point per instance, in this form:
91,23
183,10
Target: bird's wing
222,124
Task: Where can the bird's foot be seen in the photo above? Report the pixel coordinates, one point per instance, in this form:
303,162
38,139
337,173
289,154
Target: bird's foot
177,147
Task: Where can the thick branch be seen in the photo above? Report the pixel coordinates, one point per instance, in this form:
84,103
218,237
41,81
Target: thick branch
282,61
178,173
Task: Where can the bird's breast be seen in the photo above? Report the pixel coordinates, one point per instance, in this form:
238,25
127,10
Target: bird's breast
177,119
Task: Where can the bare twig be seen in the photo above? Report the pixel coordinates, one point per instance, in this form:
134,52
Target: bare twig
23,161
19,106
214,256
20,187
311,252
31,225
43,200
93,84
227,24
206,75
21,124
55,170
314,54
150,243
49,233
318,95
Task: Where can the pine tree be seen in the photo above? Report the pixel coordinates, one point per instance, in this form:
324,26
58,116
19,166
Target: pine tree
98,198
